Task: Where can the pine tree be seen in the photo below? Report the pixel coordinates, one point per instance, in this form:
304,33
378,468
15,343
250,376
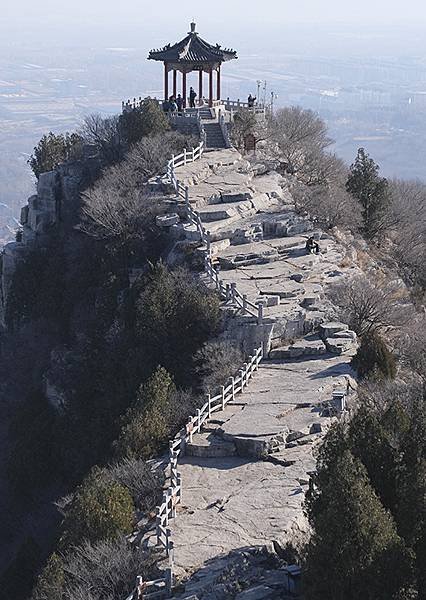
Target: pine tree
355,551
370,443
371,190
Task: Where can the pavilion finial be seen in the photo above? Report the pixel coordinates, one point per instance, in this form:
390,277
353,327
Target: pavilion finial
193,26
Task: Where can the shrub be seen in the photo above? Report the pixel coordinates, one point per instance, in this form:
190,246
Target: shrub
369,306
147,423
100,509
144,485
51,581
215,362
148,119
106,570
175,315
374,359
52,150
355,551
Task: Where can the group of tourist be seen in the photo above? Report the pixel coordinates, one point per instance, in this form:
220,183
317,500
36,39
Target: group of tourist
176,105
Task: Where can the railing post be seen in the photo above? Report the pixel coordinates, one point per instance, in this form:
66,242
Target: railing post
223,397
245,374
242,379
260,313
209,405
184,156
190,429
179,492
228,292
187,195
249,370
173,506
199,419
158,525
168,542
233,290
233,387
166,500
244,304
139,586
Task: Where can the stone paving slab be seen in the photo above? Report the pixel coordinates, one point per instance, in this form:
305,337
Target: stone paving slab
232,502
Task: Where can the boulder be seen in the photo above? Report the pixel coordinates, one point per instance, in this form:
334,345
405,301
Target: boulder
167,220
327,330
338,345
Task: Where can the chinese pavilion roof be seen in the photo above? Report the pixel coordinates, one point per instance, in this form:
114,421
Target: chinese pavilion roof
192,49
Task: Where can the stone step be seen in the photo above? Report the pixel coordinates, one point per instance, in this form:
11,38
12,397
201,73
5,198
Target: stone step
306,347
226,210
209,445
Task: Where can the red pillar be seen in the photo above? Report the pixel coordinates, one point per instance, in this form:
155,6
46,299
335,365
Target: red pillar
184,88
174,82
211,88
166,82
218,83
200,87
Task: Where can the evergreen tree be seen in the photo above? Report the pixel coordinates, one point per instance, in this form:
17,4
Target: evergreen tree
100,510
146,120
370,443
372,192
52,150
147,423
373,358
355,551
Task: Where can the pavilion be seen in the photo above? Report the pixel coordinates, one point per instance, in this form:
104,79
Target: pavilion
192,54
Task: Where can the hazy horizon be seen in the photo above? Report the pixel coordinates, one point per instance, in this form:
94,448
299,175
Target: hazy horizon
50,22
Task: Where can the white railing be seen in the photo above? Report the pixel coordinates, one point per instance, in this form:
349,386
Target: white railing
257,107
172,496
228,292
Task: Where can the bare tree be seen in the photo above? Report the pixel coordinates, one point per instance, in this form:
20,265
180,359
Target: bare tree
104,133
369,306
408,229
117,207
329,206
301,137
411,345
246,123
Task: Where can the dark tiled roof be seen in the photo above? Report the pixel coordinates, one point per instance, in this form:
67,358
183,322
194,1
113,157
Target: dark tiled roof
192,49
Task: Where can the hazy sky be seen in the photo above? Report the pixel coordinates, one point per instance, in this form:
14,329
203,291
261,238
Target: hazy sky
240,13
376,26
281,10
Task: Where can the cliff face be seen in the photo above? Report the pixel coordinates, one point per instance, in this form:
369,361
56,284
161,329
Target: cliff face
53,209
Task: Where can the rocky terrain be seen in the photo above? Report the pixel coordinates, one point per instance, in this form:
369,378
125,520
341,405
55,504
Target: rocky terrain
245,476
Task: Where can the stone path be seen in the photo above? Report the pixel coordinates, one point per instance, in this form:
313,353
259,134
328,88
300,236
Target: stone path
256,496
245,476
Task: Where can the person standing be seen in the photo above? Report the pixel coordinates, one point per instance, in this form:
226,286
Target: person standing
192,96
179,102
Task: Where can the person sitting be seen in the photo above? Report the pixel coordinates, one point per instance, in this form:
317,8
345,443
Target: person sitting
310,245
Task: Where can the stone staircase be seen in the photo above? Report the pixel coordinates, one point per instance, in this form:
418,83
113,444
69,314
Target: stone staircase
214,135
